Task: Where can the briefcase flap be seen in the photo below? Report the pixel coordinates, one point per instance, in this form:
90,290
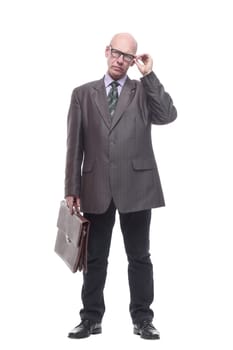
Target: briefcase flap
71,225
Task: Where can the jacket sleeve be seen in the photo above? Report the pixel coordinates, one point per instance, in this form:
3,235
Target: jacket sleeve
159,102
74,152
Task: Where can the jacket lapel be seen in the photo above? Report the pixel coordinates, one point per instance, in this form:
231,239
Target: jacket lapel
126,96
100,99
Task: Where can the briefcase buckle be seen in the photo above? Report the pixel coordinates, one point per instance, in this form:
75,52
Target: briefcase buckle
68,240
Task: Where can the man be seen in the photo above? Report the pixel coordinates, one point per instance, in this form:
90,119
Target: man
110,166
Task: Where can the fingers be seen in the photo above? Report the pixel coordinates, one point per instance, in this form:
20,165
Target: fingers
77,204
73,202
70,203
144,63
144,58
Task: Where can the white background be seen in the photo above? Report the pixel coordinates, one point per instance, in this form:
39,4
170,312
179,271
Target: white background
48,48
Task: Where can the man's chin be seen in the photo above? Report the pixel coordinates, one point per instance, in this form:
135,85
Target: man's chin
117,73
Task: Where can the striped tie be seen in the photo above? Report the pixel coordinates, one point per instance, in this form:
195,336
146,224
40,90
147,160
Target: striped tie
113,97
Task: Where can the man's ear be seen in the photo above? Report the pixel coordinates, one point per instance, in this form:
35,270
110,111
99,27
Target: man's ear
106,51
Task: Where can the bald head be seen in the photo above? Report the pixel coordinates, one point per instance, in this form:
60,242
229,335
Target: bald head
124,42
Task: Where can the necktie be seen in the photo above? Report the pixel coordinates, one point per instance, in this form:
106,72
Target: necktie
113,97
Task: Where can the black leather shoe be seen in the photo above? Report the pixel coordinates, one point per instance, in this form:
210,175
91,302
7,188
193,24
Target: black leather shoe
146,330
85,329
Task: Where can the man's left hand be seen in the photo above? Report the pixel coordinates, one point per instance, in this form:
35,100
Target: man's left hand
144,63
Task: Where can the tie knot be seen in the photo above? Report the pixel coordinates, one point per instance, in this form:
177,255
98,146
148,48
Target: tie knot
114,84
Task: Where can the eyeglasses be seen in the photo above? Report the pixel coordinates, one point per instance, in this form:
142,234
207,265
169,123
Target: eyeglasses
126,56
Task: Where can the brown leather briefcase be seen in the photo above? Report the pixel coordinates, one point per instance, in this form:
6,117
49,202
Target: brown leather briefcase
72,238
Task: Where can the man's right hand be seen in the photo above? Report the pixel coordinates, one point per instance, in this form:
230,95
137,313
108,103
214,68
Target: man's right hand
73,202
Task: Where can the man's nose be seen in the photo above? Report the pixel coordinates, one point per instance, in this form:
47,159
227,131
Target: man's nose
120,59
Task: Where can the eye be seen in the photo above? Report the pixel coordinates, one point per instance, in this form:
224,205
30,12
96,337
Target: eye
115,53
129,57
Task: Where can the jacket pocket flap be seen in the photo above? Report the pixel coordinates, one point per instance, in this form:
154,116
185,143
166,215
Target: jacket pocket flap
144,164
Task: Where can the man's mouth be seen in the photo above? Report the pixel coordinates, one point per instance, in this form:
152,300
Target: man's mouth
119,69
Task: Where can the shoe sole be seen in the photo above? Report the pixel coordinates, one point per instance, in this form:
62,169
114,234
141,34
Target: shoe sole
146,336
95,331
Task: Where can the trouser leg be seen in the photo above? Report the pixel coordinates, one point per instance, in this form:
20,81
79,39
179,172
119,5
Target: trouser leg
98,250
135,228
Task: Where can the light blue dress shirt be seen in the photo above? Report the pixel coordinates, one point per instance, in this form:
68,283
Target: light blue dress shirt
108,80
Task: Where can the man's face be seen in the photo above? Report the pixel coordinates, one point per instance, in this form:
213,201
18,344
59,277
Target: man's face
120,56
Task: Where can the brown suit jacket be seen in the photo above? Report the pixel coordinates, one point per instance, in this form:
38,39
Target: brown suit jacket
114,159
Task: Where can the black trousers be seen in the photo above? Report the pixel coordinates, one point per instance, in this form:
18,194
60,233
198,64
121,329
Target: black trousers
135,229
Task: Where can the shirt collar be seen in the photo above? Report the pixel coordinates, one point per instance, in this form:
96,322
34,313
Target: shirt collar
108,80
